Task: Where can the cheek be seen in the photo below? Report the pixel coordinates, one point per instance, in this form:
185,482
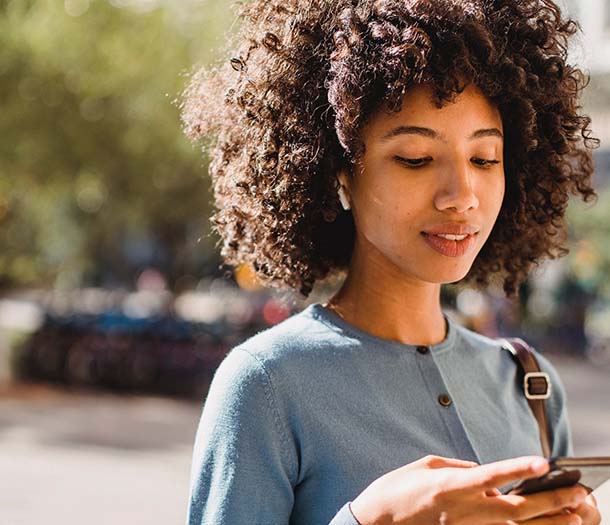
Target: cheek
492,196
389,225
500,196
387,210
376,221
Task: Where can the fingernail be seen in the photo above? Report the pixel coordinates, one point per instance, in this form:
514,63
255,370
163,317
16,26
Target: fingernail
579,497
539,464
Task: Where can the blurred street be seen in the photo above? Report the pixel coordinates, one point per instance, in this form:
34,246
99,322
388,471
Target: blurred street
70,457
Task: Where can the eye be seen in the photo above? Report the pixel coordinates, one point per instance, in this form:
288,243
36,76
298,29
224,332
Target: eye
413,163
484,163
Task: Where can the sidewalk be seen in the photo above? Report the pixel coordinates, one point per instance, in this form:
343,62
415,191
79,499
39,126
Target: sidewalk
68,459
102,458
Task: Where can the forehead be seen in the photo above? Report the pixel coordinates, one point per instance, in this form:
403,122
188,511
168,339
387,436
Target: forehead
468,112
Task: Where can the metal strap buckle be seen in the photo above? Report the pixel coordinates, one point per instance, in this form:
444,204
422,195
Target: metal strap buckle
537,375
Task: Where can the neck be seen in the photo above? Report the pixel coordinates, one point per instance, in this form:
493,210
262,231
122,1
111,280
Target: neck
380,300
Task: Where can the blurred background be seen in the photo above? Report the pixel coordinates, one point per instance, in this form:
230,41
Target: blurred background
115,308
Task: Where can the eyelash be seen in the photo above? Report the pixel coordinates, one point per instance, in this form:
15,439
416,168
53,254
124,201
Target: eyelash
422,161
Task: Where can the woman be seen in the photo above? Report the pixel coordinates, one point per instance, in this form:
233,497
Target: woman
407,144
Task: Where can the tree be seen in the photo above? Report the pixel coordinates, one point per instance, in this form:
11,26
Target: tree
96,177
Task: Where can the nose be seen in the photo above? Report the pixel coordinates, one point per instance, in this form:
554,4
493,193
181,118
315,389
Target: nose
456,190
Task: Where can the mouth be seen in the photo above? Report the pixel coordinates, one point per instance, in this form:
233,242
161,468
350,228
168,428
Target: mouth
450,244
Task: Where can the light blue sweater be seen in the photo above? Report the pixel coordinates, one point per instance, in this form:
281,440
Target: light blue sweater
303,416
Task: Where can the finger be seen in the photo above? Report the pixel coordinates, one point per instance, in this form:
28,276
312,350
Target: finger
566,510
590,499
541,504
453,463
588,514
500,473
554,500
432,461
557,519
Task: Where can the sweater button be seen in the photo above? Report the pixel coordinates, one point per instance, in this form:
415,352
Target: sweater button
422,349
444,400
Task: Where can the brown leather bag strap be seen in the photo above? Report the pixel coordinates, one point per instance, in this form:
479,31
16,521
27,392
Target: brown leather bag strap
536,386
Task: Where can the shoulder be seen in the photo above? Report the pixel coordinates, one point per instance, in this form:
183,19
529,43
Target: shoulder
558,392
493,350
545,364
287,352
302,330
494,356
556,403
557,409
480,342
302,338
474,340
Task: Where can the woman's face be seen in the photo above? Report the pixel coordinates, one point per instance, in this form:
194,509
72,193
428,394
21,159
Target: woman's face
430,185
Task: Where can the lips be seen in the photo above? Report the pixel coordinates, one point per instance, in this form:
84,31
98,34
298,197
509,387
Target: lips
452,228
454,246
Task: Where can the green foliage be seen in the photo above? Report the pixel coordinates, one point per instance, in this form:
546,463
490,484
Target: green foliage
92,154
589,259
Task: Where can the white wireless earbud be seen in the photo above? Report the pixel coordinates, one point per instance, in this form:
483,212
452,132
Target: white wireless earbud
343,196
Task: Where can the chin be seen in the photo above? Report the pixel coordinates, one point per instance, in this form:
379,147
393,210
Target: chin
447,276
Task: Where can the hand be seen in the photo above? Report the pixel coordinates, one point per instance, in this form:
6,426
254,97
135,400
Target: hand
443,491
586,511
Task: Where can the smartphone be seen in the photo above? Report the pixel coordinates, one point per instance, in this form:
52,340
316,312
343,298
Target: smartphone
564,472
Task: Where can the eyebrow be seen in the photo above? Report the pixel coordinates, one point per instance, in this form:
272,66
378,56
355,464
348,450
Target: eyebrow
430,133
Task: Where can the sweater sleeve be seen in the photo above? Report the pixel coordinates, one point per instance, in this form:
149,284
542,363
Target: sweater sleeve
243,467
557,411
344,516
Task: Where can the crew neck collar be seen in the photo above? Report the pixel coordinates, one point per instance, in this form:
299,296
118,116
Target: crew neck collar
337,322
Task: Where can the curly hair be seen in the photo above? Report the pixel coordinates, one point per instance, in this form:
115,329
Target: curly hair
283,115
